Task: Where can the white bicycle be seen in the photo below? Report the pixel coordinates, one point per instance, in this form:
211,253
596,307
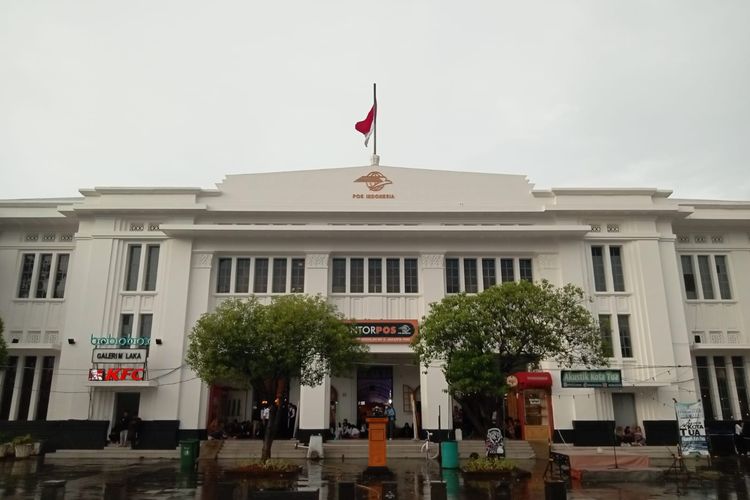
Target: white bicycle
429,449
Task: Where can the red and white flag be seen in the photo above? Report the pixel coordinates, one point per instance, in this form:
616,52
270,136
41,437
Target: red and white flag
366,126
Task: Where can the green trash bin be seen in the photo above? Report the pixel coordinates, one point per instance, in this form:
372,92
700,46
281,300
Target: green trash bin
189,449
449,454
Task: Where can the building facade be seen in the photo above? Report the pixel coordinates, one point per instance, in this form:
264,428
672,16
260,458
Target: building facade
98,293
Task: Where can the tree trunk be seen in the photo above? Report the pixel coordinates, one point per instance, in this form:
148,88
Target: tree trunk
273,419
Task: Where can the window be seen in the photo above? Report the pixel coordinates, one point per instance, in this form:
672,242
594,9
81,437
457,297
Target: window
45,265
260,281
411,280
599,254
43,276
713,273
279,276
126,326
357,276
488,273
471,284
506,270
152,266
242,276
144,327
348,275
338,278
45,387
224,276
134,262
234,275
600,282
392,276
605,329
27,382
452,279
375,275
298,276
623,324
139,264
464,271
524,269
9,383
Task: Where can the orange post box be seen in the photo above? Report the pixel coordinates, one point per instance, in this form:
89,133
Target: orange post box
376,441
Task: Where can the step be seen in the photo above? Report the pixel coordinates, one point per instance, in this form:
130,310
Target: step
112,453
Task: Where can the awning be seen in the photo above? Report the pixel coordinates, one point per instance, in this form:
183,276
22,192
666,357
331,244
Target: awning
531,380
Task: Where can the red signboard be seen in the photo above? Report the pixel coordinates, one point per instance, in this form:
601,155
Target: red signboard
533,380
116,374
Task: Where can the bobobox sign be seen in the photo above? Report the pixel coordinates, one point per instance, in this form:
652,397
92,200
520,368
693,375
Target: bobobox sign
386,331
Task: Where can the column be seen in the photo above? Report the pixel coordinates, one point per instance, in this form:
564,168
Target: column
715,399
13,415
432,385
313,408
733,399
193,403
35,387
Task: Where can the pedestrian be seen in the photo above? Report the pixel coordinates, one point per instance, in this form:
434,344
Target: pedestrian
390,412
739,442
123,425
134,430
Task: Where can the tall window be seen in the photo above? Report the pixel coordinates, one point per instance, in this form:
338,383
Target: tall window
45,387
411,280
452,276
279,276
338,276
488,273
9,382
713,274
705,386
142,268
144,326
464,271
599,256
605,329
260,280
375,275
392,276
623,324
471,283
238,275
298,276
43,276
348,275
126,326
357,276
27,382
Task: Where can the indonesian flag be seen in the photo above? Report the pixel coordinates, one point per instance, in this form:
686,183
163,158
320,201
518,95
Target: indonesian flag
366,125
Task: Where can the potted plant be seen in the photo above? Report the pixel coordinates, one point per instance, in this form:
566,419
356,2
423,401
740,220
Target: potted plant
23,445
273,474
492,467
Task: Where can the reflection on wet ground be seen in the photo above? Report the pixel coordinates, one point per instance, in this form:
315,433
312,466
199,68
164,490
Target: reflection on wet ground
23,479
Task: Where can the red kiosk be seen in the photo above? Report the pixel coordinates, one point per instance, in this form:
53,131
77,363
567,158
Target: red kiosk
530,401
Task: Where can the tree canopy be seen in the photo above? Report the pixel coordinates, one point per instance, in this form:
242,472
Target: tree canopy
485,337
247,344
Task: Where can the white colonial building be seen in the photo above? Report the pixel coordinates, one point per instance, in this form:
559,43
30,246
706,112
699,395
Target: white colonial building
668,276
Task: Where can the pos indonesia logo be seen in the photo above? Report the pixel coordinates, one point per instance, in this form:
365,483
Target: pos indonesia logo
375,181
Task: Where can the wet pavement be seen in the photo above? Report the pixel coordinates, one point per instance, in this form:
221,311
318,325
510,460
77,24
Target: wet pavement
86,479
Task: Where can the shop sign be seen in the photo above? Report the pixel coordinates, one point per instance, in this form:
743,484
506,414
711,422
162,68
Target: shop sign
120,341
116,374
692,428
385,331
591,378
119,356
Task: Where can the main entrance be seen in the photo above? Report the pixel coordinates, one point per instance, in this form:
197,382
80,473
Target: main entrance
374,388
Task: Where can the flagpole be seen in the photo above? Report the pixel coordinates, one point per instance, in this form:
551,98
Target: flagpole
375,120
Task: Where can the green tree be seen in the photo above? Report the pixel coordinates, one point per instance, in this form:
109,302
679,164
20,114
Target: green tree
3,345
248,344
483,338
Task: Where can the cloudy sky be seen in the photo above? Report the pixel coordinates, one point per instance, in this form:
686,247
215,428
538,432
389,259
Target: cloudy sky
569,93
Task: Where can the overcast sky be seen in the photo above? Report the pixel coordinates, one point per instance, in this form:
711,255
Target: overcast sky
181,92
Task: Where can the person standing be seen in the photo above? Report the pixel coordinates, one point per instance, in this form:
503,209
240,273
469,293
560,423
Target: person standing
124,424
390,412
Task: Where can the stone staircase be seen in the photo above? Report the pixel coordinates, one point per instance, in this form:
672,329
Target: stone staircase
234,449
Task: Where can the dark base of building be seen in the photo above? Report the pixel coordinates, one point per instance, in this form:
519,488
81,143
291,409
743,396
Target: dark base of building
303,435
439,435
377,472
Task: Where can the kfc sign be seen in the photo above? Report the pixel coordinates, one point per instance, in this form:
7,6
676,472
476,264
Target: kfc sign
116,374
